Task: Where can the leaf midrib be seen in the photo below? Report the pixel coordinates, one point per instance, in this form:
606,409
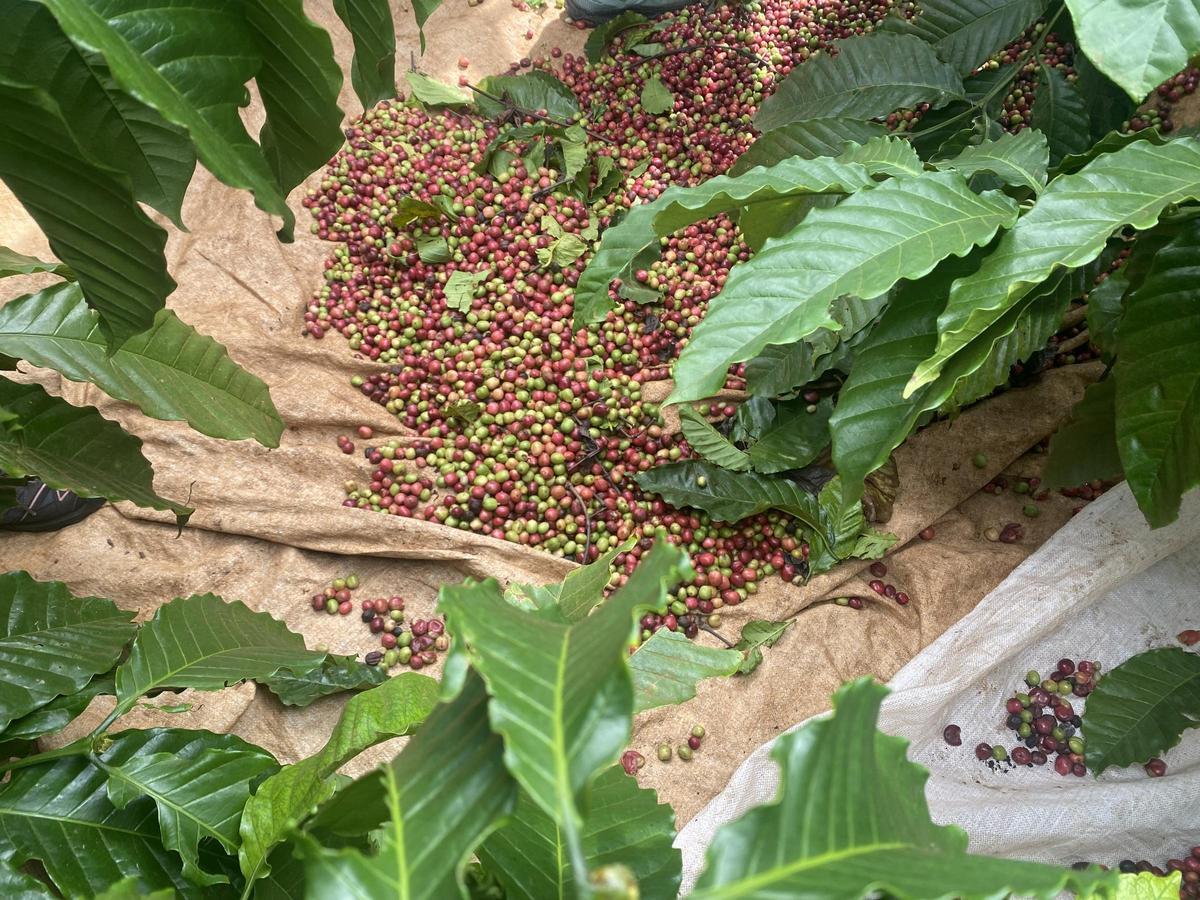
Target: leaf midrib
160,798
771,876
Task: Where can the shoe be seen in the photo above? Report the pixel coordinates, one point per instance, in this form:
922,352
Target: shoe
41,508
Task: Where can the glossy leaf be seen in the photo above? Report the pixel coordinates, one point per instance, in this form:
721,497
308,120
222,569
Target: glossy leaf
1106,307
59,712
1067,228
197,83
432,92
1142,707
1137,45
87,212
781,368
1158,380
14,263
1018,159
625,825
74,448
871,75
59,814
532,90
806,139
795,438
114,128
288,797
710,443
422,10
131,889
1060,112
600,37
1108,105
335,675
862,246
667,667
564,710
757,634
635,240
298,83
1148,886
373,70
52,643
965,33
1085,446
1109,143
573,598
205,643
169,372
871,833
454,754
198,780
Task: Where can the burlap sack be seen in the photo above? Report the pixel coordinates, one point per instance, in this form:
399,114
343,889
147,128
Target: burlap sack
269,529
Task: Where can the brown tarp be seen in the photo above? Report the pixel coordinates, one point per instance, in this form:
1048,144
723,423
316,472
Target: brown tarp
269,530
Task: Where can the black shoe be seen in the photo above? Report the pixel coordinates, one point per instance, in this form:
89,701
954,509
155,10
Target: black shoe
41,508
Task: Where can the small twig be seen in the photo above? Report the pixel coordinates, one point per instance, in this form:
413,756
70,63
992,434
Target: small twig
1074,316
1080,340
720,637
537,115
587,521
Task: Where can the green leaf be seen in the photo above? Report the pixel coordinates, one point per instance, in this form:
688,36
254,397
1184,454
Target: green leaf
874,544
58,713
1085,446
757,634
575,596
795,438
1067,228
1060,112
657,97
373,70
432,92
530,91
1158,380
198,82
835,836
455,755
169,372
1017,159
565,710
422,10
1142,707
635,240
460,289
116,129
335,675
862,246
601,36
199,781
131,889
1106,307
751,419
885,156
1148,886
1108,105
1137,45
433,248
411,209
298,83
74,448
710,443
562,251
807,139
14,263
871,75
87,212
781,368
65,640
205,643
667,667
1109,143
574,150
625,825
59,814
288,797
965,33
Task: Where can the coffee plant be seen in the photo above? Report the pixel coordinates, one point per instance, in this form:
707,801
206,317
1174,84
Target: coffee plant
509,786
102,115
